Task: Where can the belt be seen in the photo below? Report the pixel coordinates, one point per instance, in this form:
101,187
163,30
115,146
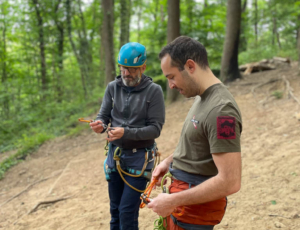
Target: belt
191,226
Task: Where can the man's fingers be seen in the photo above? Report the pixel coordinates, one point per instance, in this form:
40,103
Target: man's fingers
94,124
110,139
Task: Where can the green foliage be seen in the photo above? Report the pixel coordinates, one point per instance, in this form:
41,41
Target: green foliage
277,94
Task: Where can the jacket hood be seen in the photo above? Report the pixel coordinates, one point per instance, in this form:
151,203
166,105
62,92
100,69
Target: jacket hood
145,81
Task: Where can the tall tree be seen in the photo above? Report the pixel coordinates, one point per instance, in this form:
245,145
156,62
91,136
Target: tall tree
274,22
60,25
255,19
108,39
40,21
298,42
3,56
84,45
78,57
173,31
229,65
125,21
243,36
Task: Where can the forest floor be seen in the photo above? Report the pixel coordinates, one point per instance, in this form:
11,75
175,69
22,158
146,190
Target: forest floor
70,170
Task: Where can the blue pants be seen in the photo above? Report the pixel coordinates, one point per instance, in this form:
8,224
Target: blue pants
124,201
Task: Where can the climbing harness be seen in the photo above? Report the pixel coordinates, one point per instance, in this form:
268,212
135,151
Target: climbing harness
138,173
161,222
131,172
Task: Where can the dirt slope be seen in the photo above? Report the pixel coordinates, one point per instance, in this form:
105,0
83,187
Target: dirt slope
73,168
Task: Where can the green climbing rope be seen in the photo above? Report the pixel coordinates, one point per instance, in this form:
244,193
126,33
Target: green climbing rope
159,223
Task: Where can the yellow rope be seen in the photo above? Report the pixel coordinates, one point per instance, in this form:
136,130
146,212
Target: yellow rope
141,191
117,159
106,148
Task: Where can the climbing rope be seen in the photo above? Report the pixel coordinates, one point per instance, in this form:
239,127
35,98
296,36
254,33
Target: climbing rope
106,148
121,171
161,222
117,159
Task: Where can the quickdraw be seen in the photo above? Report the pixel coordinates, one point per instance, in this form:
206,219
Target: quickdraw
83,120
89,121
145,196
104,126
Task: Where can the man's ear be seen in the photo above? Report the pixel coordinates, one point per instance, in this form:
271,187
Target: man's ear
190,66
143,68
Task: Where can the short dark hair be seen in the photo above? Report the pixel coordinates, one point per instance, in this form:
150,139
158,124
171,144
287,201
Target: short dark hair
184,48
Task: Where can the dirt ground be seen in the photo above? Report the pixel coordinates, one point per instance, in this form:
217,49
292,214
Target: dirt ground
72,168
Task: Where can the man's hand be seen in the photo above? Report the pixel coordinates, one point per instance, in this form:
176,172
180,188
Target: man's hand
115,133
159,172
97,126
163,204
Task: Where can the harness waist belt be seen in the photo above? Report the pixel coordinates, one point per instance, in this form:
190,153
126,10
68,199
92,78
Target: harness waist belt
191,226
193,179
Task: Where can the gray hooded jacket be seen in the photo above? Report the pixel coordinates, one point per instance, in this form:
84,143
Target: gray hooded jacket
139,110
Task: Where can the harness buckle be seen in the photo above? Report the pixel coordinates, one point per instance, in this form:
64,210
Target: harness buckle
149,155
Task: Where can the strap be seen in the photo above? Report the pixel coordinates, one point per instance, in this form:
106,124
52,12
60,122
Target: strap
189,178
187,226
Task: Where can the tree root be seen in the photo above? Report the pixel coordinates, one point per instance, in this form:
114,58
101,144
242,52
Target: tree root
47,202
289,91
275,215
26,189
262,84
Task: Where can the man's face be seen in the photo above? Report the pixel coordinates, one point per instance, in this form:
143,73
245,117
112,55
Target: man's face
179,80
130,76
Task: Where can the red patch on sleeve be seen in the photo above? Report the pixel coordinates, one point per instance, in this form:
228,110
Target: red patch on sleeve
226,127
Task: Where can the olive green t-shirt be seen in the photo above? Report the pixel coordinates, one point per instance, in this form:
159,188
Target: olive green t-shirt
213,125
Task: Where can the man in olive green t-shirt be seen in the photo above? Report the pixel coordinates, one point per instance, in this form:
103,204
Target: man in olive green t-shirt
206,164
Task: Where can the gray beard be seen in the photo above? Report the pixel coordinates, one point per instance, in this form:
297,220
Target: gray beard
130,83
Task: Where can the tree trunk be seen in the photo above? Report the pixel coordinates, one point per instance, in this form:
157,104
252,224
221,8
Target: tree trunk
125,21
60,49
139,14
190,6
255,20
4,65
243,36
229,65
108,39
298,42
85,50
173,31
274,21
69,28
44,78
275,32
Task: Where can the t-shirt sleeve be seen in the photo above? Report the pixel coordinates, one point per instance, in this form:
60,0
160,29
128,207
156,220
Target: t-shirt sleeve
223,127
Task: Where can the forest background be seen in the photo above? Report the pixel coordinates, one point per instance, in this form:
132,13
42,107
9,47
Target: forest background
57,56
